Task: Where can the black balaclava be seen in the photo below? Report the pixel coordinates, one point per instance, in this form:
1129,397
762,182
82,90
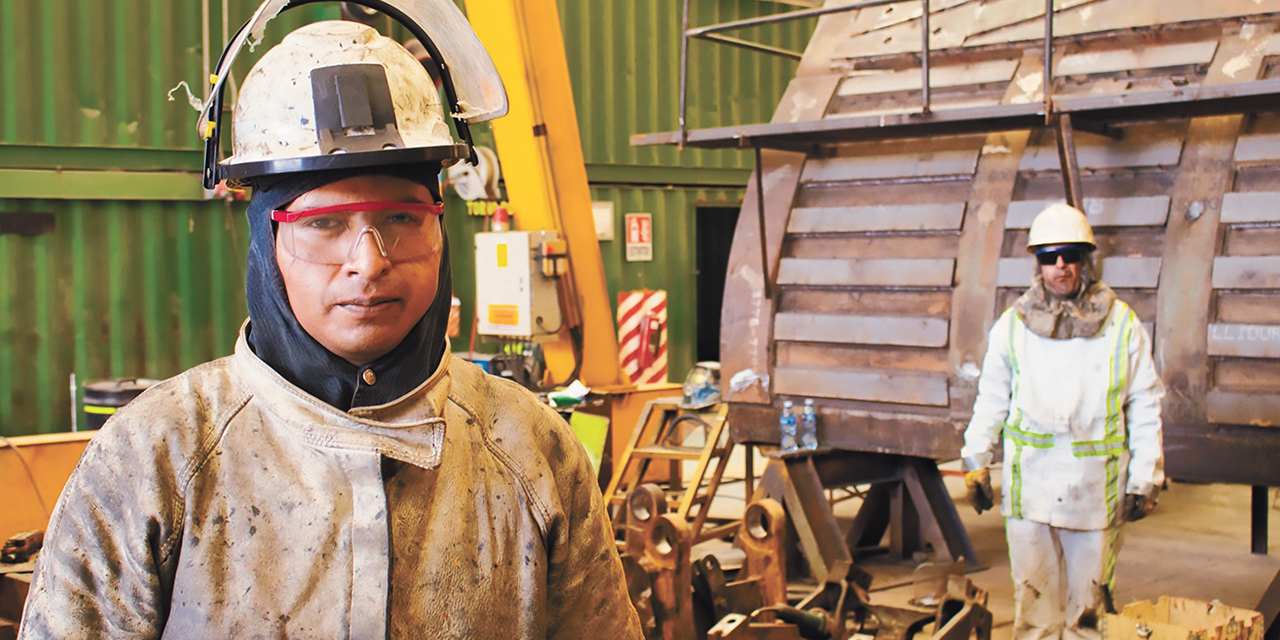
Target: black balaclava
275,335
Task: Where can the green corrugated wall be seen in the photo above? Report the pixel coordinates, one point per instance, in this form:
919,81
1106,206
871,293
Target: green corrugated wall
143,277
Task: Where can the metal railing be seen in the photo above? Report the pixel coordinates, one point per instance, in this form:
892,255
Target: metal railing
712,33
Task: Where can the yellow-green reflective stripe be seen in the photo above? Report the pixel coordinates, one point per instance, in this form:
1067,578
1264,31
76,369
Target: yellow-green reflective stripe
1033,445
1016,507
1109,571
105,411
1115,451
1093,443
1029,434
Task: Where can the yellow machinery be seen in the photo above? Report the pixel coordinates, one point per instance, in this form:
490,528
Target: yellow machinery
546,180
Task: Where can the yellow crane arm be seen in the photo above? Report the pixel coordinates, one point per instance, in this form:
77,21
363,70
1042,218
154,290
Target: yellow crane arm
545,174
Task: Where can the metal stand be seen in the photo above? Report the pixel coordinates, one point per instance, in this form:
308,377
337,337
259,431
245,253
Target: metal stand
907,498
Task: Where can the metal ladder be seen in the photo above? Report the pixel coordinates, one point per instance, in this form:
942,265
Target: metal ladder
658,436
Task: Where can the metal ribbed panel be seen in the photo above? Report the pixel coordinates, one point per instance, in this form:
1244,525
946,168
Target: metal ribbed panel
624,58
118,289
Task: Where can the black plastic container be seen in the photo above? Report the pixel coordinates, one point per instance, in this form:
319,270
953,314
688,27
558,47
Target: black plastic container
103,397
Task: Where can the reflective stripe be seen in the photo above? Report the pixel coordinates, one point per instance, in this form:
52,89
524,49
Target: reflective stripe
1015,419
1115,442
1115,408
1109,563
1036,440
1015,508
1115,451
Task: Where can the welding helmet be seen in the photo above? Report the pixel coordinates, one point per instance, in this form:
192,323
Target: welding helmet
701,386
337,94
1060,224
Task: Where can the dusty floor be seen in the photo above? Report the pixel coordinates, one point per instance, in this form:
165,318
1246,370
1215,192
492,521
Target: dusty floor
1195,545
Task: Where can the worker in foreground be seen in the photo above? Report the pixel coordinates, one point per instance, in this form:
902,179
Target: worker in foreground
342,475
1068,379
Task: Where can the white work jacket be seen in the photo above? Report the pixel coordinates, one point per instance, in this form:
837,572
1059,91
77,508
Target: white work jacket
1080,420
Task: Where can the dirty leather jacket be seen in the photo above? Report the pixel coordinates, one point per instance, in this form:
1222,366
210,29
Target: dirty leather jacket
228,503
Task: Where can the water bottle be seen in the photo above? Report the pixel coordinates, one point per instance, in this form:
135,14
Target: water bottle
809,426
787,424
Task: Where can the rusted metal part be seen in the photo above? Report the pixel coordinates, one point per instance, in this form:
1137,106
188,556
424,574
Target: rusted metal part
1146,106
769,276
924,57
1238,454
1190,240
762,536
21,547
934,435
899,482
742,627
1067,159
746,326
669,553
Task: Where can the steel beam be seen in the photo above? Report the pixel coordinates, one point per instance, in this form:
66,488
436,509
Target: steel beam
1067,160
1147,106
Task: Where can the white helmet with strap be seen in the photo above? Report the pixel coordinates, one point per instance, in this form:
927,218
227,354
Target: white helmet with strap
338,94
1060,224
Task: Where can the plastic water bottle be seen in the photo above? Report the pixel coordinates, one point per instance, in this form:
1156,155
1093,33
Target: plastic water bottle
808,426
787,424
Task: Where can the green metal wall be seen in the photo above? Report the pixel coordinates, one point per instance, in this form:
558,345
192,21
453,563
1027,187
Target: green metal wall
624,58
673,268
142,276
119,289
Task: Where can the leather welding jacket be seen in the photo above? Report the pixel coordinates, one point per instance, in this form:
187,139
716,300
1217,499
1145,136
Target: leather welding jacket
228,503
1080,420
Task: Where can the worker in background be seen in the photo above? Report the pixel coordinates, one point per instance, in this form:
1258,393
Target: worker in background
1068,380
342,475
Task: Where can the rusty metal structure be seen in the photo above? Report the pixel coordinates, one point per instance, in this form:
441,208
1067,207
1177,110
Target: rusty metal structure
884,227
680,598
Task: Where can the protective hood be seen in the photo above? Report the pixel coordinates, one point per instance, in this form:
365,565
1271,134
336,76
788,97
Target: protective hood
279,340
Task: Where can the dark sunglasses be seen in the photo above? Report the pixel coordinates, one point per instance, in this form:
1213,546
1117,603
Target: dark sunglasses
1069,256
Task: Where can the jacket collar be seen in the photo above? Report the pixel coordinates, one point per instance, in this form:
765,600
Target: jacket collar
409,429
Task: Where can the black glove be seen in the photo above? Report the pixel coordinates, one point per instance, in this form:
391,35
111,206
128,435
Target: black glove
1135,507
977,485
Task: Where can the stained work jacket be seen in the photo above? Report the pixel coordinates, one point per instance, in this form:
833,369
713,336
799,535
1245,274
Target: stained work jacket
227,503
1080,420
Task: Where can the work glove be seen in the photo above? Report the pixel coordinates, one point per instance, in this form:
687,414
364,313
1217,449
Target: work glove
977,484
1136,507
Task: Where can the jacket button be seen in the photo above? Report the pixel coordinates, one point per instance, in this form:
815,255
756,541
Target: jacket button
369,377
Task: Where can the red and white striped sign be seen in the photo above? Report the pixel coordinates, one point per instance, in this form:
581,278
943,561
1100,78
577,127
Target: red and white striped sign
642,335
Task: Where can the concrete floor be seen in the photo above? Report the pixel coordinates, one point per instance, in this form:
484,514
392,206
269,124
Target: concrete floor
1194,545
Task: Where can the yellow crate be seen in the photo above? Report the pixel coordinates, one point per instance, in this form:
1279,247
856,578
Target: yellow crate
1173,618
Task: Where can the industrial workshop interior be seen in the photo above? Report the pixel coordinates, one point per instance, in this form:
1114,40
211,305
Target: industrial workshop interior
640,319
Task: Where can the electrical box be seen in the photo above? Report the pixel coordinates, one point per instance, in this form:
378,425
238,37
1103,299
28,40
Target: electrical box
514,296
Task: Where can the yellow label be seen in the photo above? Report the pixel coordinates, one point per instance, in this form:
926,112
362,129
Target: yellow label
504,314
502,257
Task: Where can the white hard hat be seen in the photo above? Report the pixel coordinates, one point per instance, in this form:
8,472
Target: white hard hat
1059,224
338,94
336,88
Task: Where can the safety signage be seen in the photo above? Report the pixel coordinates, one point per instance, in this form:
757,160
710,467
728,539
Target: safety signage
639,237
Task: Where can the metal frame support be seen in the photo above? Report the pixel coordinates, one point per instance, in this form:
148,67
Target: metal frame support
924,56
1048,60
1067,158
1258,520
764,242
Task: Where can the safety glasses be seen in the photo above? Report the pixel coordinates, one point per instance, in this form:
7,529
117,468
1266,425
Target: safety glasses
400,231
1068,255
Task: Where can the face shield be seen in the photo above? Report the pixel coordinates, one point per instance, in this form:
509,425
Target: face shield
470,81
